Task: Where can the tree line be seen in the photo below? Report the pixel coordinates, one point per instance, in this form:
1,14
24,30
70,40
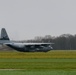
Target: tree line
62,42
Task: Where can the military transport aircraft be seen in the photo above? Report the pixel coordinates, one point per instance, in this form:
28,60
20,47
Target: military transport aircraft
24,47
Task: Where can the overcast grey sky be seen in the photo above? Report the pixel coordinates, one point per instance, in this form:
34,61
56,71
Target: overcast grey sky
25,19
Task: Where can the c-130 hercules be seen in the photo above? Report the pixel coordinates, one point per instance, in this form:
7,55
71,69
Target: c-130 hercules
24,47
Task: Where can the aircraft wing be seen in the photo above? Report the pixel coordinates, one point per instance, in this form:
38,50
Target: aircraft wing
29,43
37,44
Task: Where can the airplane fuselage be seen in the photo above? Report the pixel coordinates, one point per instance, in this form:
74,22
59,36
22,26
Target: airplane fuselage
28,48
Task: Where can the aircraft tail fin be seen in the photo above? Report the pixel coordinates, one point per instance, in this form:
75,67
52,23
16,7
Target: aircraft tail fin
4,35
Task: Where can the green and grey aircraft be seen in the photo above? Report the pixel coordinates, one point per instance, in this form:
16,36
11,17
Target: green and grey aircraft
24,47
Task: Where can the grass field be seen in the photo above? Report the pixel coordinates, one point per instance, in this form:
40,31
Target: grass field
55,62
